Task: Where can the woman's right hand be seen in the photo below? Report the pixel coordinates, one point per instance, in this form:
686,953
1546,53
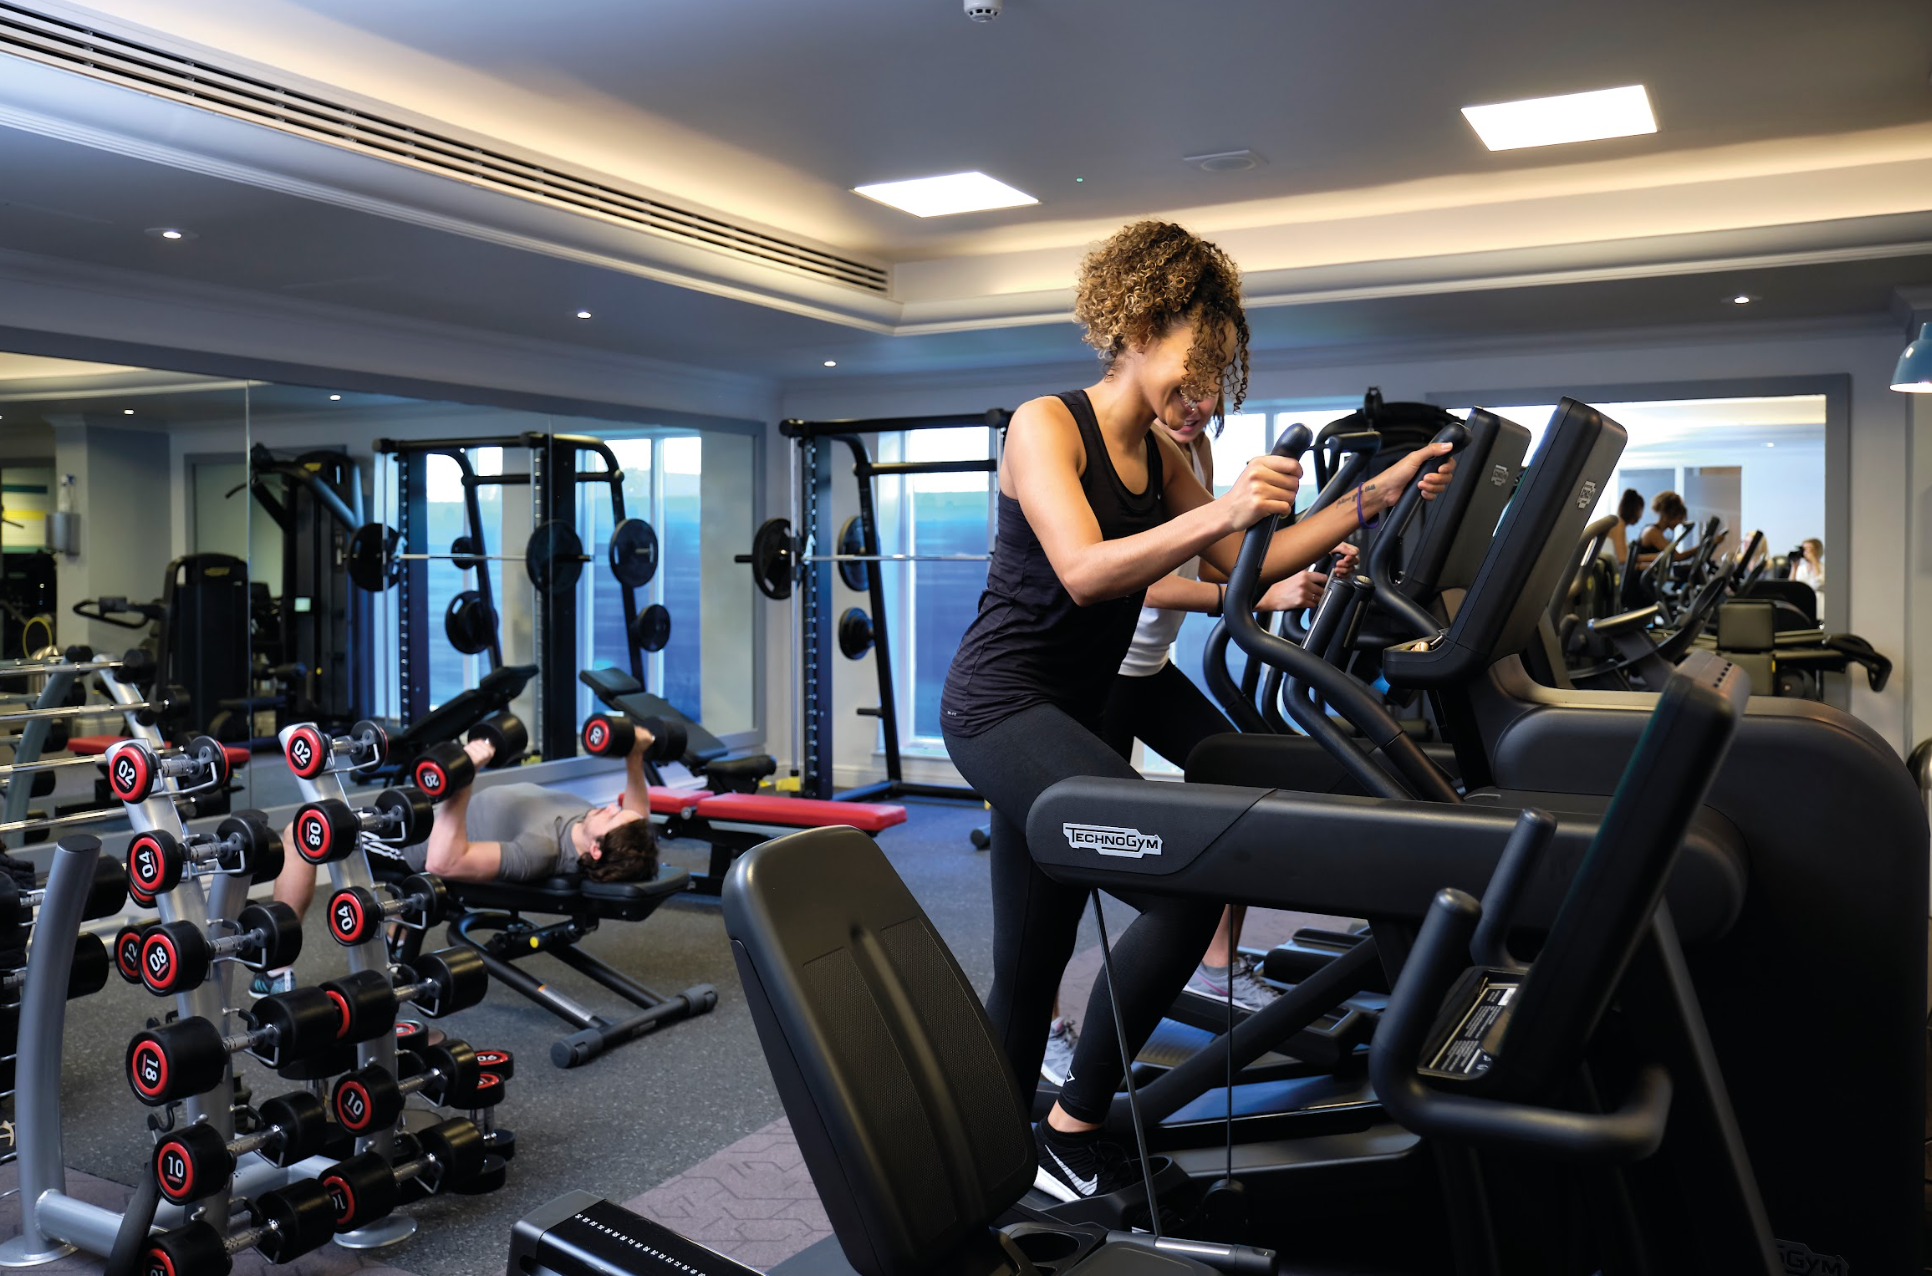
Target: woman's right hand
1266,486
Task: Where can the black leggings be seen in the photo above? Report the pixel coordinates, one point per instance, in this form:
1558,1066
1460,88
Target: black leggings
1164,710
1036,920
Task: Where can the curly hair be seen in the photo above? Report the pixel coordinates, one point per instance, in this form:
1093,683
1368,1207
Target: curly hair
628,853
1669,505
1151,275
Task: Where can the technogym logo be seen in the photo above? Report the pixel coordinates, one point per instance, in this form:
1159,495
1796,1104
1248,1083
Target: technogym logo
1109,840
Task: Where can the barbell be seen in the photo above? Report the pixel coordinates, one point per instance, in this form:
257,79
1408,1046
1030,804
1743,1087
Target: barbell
553,558
773,554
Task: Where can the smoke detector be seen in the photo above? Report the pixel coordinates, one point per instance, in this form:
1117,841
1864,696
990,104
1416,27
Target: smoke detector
1225,161
983,10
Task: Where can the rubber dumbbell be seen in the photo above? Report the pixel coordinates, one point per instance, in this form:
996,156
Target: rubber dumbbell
106,893
134,767
196,1161
441,983
371,1098
127,951
356,912
285,1224
176,1060
330,829
310,751
365,1188
244,844
177,956
87,974
507,737
608,736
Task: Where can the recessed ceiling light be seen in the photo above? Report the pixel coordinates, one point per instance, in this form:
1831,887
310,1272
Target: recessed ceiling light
170,233
334,398
831,363
127,411
583,314
1770,445
1225,161
1079,179
1572,117
1743,299
951,193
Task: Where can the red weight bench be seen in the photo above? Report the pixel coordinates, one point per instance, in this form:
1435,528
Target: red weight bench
735,822
95,745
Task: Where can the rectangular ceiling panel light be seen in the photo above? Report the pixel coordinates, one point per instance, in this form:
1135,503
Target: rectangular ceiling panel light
1573,117
953,193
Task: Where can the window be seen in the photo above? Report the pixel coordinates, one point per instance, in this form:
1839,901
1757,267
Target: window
932,603
450,671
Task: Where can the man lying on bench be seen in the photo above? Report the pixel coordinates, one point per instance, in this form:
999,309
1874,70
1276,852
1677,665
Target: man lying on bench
512,833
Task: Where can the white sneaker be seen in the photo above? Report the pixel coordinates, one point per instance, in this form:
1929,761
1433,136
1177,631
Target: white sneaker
1251,992
1062,1037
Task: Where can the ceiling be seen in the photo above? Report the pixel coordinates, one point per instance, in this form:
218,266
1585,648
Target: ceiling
774,109
1795,168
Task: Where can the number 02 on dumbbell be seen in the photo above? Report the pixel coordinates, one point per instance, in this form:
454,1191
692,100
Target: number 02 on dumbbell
176,956
328,830
134,767
447,767
310,751
605,736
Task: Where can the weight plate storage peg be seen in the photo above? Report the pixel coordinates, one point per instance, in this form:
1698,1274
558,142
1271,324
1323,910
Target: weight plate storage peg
633,553
855,632
651,631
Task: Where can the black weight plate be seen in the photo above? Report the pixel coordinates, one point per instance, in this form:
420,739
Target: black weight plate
554,558
469,623
652,629
462,552
372,562
771,558
633,553
852,541
855,633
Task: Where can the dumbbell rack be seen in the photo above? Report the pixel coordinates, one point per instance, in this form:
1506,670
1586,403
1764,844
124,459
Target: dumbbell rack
370,954
53,1223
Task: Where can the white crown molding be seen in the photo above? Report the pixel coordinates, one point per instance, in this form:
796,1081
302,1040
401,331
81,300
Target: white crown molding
48,295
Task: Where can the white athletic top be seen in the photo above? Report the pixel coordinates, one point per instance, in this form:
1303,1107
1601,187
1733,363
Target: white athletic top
1159,626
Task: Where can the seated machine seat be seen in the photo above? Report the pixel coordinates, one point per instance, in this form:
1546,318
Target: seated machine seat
740,775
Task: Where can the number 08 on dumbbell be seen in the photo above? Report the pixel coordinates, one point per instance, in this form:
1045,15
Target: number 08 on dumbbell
609,736
329,829
448,767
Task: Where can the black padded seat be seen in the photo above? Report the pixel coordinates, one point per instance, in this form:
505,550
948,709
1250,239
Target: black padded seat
572,895
739,775
905,1111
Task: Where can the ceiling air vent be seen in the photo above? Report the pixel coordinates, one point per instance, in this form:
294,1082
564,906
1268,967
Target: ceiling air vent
122,62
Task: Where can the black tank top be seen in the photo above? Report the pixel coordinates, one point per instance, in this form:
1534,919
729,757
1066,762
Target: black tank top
1030,644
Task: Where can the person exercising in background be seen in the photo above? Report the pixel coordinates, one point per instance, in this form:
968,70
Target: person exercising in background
511,833
1630,508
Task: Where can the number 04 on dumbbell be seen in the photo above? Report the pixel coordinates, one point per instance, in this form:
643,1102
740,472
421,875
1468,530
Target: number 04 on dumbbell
243,845
356,912
447,767
177,956
134,767
328,830
606,736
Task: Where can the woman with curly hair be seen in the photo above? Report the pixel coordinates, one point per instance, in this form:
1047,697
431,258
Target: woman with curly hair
1095,506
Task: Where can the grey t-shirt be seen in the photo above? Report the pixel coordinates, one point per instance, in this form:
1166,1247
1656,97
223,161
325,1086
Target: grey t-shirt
533,824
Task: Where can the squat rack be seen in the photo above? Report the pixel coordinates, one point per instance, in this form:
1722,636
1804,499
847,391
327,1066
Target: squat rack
552,478
812,606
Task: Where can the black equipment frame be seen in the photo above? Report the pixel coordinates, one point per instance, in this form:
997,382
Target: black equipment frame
552,478
817,625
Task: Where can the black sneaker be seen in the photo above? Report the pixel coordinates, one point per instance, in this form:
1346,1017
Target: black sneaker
1075,1166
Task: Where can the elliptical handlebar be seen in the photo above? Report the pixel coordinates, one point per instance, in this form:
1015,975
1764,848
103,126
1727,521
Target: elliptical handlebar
1440,956
1381,556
